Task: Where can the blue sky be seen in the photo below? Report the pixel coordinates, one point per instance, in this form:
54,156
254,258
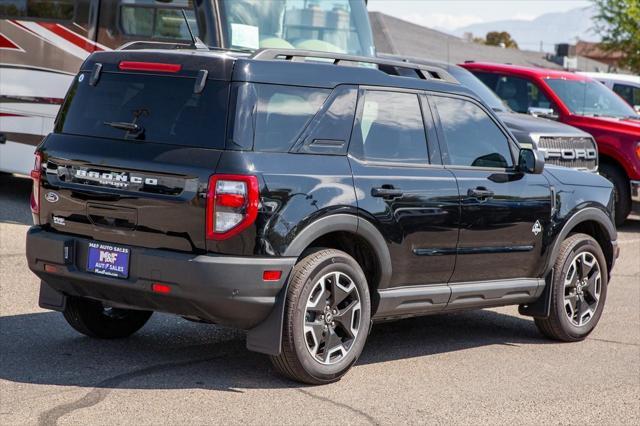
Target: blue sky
452,14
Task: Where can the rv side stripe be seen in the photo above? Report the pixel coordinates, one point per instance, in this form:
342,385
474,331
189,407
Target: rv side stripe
7,43
54,39
72,37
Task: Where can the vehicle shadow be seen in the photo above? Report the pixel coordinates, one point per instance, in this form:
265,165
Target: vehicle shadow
632,224
172,353
14,199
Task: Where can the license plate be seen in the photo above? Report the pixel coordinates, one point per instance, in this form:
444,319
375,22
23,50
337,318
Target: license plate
109,260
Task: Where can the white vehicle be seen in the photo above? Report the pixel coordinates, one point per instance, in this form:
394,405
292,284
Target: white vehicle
627,86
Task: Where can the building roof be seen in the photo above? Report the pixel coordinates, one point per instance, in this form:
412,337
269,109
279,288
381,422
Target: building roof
397,37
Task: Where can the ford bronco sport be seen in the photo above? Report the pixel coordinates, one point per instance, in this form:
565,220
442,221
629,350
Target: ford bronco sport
303,196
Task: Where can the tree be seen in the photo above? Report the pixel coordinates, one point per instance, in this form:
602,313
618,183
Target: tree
618,23
500,38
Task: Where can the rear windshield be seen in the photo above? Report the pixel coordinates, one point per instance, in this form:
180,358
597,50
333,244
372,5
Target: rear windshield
146,108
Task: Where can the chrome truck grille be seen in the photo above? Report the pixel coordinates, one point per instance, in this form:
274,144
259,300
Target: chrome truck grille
573,152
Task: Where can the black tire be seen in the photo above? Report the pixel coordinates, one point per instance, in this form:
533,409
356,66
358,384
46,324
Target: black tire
559,326
93,319
621,188
296,361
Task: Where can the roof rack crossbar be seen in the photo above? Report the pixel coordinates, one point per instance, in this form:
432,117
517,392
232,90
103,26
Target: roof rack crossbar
424,72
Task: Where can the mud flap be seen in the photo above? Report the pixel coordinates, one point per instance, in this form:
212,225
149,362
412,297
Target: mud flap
266,337
51,299
541,308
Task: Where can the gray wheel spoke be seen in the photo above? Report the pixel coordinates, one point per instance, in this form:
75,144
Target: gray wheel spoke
345,318
332,342
338,291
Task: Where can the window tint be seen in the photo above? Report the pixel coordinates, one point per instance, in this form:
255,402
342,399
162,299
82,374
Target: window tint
282,112
41,9
153,21
392,129
631,94
165,109
472,137
519,93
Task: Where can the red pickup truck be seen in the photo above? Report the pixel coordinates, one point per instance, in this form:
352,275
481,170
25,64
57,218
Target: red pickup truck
582,102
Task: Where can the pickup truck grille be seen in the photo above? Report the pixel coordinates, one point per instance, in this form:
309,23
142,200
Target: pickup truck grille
573,152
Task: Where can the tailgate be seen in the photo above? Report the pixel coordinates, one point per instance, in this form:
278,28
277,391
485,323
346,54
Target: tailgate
133,149
142,194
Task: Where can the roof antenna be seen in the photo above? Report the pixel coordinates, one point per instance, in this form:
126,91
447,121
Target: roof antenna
195,41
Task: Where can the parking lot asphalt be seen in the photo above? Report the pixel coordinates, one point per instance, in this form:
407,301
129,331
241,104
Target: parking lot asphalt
482,367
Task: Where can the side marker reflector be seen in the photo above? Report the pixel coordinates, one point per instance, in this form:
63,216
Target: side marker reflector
160,288
271,275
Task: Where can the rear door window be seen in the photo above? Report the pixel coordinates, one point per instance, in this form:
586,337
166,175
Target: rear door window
391,129
164,109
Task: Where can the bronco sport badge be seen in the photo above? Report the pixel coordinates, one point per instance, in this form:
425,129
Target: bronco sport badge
537,228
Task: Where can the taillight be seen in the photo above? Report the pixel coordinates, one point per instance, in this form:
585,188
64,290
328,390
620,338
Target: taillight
638,150
36,176
232,205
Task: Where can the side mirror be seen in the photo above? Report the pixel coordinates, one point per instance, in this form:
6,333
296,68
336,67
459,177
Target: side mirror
531,161
548,113
637,108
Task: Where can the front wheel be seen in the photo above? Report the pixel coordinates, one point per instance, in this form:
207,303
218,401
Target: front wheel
94,319
327,316
578,292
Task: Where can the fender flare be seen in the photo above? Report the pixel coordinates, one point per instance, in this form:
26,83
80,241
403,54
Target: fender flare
266,337
584,215
541,308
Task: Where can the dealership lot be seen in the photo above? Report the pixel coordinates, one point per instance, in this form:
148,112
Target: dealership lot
488,366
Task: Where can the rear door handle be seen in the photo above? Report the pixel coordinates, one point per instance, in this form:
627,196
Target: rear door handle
386,192
481,193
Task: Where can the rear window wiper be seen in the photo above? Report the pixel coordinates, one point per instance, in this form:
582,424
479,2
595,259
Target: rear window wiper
122,125
133,129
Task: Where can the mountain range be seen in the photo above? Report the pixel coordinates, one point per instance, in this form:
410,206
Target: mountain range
548,29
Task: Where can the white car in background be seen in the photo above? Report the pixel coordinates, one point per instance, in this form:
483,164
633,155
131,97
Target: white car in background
627,86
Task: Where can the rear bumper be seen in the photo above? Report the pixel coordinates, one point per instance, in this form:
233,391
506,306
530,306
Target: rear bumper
226,290
635,190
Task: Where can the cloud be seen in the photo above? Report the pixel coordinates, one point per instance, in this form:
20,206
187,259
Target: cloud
441,20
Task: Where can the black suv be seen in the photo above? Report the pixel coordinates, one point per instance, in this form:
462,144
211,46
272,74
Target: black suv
303,196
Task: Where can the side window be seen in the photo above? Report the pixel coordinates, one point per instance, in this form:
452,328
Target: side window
282,113
519,93
38,9
472,137
630,94
150,21
391,128
270,117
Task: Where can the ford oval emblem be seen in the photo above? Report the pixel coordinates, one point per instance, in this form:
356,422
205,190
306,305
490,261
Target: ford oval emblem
52,197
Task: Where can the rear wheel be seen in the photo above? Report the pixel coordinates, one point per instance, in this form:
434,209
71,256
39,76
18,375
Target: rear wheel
327,318
94,319
622,191
579,290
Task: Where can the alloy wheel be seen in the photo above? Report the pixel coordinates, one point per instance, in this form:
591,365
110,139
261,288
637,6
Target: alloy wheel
332,318
582,287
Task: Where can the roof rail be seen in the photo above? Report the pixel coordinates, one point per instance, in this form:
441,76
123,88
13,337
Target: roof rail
134,45
392,67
